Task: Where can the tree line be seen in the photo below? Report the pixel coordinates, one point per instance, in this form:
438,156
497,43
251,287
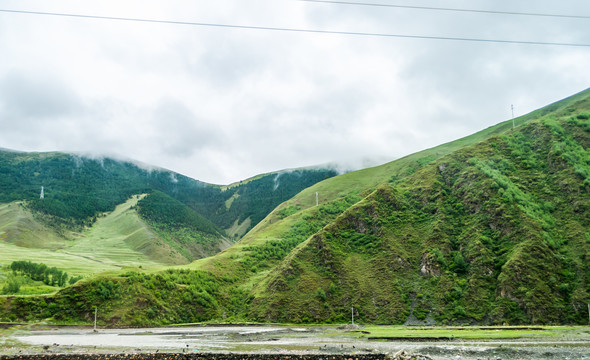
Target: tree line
51,276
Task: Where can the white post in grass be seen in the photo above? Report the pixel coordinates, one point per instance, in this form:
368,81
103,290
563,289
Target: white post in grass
317,199
95,313
352,314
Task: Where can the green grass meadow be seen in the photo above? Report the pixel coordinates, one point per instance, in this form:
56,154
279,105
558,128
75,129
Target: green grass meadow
472,332
110,246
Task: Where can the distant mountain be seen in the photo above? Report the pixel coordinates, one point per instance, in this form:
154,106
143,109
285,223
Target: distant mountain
493,228
66,194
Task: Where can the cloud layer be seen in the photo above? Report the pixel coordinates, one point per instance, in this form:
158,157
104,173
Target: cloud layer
223,104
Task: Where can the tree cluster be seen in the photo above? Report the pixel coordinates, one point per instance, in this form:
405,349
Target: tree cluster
51,276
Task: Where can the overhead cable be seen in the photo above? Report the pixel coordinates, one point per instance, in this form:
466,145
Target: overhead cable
448,9
296,30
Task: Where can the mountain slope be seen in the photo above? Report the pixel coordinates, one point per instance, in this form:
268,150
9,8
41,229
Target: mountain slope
18,226
123,239
117,240
492,228
258,258
78,188
495,232
298,218
78,191
186,232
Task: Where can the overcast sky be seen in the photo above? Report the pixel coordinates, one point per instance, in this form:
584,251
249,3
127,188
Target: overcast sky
222,104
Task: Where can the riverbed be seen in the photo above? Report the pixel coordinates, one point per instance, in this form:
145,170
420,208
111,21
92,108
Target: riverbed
573,345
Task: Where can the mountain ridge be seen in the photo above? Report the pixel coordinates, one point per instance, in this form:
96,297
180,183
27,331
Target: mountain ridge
343,185
98,184
492,228
364,225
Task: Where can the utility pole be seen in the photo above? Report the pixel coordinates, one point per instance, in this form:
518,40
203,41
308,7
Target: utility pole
352,314
95,313
588,313
512,107
317,199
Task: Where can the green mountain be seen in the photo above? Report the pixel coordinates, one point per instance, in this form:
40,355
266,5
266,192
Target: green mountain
90,210
497,231
78,188
280,280
492,228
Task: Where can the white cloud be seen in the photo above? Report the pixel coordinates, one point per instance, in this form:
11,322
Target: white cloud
223,104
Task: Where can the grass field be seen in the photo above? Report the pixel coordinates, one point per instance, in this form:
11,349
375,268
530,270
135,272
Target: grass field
17,226
113,240
72,264
469,332
113,244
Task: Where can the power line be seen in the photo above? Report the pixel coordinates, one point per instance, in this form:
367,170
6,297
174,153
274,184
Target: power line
295,30
449,9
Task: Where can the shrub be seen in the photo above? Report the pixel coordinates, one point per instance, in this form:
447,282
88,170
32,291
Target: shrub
459,264
320,294
12,286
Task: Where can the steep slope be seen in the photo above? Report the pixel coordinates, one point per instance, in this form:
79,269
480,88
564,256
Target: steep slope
243,205
19,227
298,218
495,232
123,239
189,235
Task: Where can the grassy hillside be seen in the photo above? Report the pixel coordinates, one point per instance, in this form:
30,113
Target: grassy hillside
338,193
123,239
19,227
495,232
298,219
186,232
492,228
116,241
